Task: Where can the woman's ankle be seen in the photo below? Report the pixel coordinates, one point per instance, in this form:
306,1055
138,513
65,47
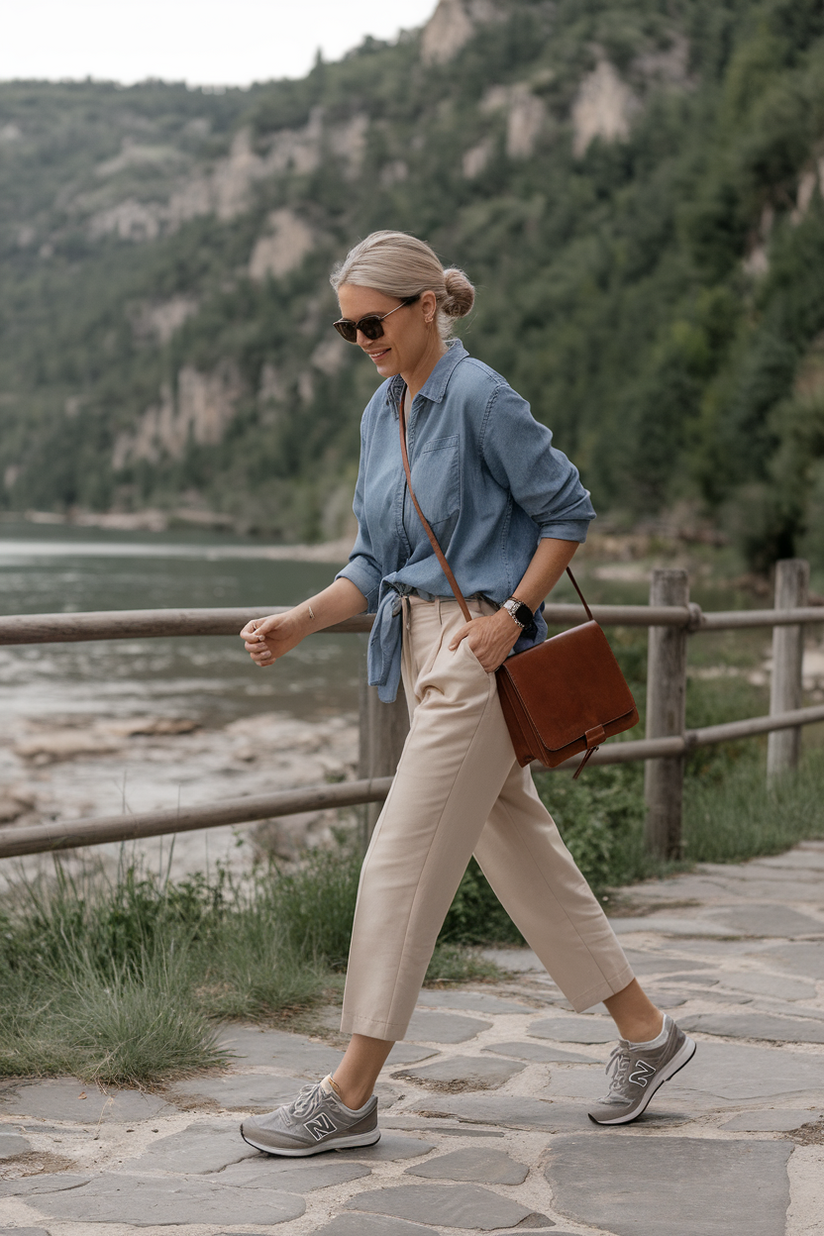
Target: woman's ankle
351,1097
637,1018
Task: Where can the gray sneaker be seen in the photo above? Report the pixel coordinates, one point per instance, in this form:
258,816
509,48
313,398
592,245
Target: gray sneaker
635,1074
316,1120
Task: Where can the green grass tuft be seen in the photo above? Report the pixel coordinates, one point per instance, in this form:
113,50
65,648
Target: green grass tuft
453,964
740,817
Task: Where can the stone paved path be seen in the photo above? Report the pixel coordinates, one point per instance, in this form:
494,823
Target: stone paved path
484,1107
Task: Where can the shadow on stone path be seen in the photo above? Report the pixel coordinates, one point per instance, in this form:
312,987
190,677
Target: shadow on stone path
484,1107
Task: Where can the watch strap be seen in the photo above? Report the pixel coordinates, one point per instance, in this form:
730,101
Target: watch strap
519,612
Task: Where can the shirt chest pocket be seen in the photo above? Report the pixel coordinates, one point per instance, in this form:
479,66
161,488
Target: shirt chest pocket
436,477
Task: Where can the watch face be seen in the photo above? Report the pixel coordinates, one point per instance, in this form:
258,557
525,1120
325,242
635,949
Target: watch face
518,611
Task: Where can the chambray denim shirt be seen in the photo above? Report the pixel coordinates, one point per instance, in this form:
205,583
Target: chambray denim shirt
488,480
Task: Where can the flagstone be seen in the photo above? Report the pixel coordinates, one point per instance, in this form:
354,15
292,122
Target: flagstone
757,983
197,1149
539,1053
290,1175
769,920
695,980
43,1182
426,1124
475,1001
69,1099
740,1072
506,1111
670,925
370,1225
466,1072
461,1206
772,1120
717,1188
12,1144
802,858
576,1083
291,1053
660,963
176,1200
756,1026
240,1091
438,1027
410,1053
484,1164
23,1231
574,1029
390,1149
803,957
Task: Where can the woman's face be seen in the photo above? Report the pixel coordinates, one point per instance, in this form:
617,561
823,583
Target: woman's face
407,337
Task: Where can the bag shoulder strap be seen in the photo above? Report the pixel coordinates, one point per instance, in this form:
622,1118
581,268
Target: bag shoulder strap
439,554
447,570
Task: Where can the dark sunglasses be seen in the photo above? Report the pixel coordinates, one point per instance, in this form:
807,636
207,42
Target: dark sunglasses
370,326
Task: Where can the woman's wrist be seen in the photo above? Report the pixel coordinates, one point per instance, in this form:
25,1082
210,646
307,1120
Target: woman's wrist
307,617
301,620
519,612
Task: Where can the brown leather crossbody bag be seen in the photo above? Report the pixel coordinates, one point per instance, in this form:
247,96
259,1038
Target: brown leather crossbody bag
562,697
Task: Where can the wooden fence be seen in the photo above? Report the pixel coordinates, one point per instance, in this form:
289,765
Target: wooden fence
670,616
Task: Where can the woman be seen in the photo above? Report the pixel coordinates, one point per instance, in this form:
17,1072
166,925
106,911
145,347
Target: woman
508,511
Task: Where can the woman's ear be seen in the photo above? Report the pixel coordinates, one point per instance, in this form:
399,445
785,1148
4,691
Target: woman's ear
429,306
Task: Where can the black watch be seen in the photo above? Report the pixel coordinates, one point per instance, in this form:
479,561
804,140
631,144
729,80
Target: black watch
519,612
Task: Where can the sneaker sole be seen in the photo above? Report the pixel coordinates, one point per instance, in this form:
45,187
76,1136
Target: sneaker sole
675,1065
337,1143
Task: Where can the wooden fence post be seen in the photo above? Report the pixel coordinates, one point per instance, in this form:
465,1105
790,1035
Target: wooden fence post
382,731
666,715
792,585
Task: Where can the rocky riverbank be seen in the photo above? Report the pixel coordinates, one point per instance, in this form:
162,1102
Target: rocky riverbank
74,767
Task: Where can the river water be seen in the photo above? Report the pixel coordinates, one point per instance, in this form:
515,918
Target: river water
211,679
107,727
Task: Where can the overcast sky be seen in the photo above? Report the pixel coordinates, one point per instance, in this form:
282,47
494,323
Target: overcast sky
203,42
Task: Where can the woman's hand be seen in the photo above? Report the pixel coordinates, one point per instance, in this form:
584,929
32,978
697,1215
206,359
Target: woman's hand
269,638
491,638
272,637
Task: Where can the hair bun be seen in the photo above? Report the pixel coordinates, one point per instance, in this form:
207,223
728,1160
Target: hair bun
460,294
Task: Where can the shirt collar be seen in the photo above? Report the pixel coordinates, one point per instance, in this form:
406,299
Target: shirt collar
434,388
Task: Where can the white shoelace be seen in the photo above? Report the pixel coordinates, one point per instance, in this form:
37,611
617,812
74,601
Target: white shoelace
308,1100
617,1069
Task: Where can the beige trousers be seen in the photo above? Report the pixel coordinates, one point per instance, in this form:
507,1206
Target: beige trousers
459,790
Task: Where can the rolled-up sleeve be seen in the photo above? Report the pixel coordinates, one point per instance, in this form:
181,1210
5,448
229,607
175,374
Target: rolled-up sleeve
362,568
519,453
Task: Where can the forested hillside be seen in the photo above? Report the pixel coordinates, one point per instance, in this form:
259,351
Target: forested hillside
635,186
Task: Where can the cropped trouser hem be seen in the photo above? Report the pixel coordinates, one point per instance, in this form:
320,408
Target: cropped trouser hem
603,991
458,790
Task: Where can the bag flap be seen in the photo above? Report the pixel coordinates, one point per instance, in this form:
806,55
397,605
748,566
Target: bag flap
569,684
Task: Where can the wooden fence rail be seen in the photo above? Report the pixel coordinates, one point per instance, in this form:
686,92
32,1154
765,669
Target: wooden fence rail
670,616
155,623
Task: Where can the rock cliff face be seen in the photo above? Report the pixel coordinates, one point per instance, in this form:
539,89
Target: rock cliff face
604,107
451,27
525,118
225,190
199,410
285,245
159,320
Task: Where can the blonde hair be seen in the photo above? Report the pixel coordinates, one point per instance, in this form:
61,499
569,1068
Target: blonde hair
400,265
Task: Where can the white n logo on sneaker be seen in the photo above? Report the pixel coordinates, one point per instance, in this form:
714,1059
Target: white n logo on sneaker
320,1125
641,1073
